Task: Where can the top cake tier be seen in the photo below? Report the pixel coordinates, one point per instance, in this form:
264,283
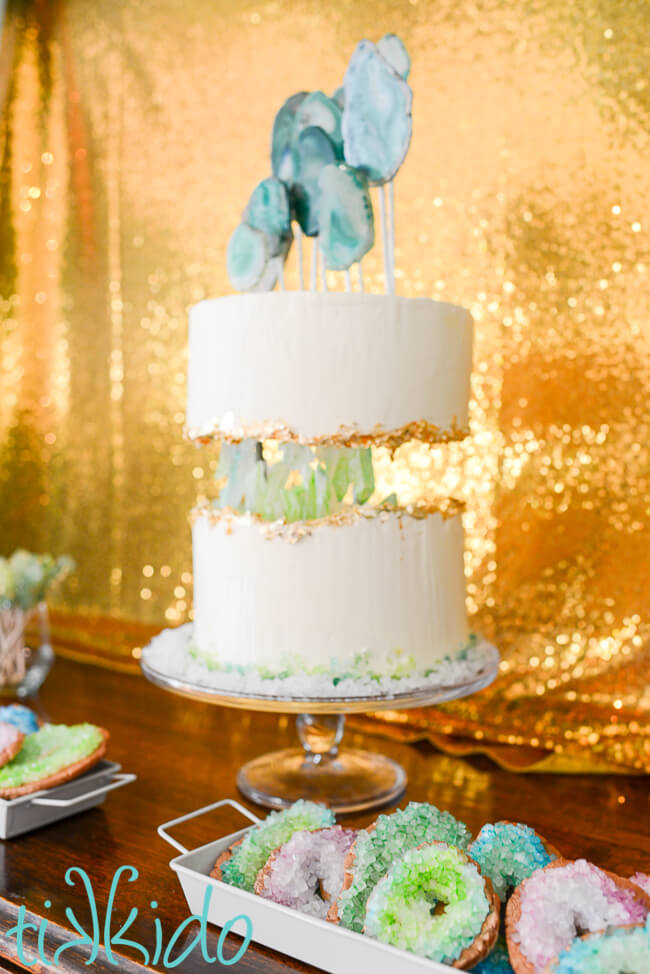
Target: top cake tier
328,368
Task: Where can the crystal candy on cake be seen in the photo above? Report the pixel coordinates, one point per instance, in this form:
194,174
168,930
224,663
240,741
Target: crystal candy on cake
300,484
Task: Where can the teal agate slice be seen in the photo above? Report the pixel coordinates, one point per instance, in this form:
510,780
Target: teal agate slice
345,217
283,130
301,169
323,112
269,210
377,121
339,97
392,48
248,260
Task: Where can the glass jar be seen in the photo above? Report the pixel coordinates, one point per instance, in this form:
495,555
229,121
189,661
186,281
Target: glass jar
26,654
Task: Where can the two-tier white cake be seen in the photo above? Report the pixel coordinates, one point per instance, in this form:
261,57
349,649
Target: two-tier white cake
362,592
306,582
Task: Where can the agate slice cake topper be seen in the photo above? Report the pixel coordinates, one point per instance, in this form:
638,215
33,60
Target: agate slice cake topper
327,153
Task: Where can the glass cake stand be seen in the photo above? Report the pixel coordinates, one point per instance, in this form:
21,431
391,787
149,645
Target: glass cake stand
345,779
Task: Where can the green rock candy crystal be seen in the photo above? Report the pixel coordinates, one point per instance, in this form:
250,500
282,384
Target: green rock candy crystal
248,858
393,835
49,750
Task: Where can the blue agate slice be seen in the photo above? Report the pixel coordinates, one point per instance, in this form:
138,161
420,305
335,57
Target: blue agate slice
377,121
269,210
301,169
323,112
391,47
248,260
345,216
339,97
283,129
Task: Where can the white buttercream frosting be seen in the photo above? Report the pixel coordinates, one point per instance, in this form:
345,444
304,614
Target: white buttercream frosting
311,366
389,587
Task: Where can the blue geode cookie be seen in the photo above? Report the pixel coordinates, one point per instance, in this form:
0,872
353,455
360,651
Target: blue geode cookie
21,717
508,853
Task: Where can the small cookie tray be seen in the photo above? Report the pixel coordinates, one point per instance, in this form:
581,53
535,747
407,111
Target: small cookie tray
325,945
29,812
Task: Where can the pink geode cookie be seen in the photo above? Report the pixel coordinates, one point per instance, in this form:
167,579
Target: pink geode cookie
11,741
563,901
642,880
306,873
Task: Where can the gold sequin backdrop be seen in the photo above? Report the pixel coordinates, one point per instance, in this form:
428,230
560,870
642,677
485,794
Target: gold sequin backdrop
132,134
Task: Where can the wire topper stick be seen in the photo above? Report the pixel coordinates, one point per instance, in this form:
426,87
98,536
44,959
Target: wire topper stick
313,281
389,281
301,274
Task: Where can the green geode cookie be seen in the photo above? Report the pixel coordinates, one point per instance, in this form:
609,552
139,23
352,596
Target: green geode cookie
377,848
241,863
54,754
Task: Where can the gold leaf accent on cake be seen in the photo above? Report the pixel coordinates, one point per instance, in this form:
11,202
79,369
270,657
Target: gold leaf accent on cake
346,435
295,531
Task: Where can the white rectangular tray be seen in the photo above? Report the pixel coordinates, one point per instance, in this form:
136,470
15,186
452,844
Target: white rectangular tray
325,945
29,812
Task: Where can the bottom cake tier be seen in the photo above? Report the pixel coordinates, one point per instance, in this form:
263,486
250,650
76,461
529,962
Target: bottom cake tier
362,594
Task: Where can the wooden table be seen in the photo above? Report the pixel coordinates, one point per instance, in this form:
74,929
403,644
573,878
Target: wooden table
186,755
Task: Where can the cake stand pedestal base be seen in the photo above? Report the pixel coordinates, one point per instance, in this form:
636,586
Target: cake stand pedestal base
345,780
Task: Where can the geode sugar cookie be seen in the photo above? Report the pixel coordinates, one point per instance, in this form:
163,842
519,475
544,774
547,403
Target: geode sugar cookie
642,880
306,873
21,717
53,755
561,902
11,740
241,863
377,847
508,853
614,949
434,902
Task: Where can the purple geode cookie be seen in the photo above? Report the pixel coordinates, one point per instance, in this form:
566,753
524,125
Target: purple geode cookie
306,873
566,899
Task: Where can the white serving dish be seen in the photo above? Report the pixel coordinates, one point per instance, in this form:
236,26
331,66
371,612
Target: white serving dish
325,945
29,812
